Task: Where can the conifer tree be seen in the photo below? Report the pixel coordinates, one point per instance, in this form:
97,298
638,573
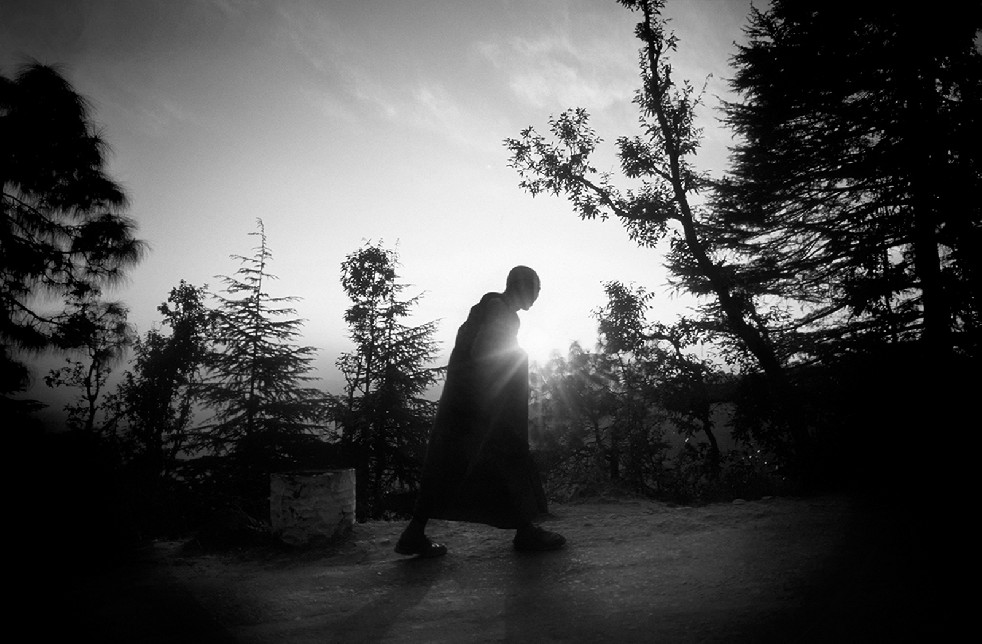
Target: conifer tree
853,193
384,417
263,411
852,187
63,234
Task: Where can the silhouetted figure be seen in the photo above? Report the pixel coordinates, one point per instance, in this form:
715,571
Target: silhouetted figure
478,467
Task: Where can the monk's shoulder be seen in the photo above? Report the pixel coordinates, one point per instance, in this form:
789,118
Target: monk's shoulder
495,309
494,303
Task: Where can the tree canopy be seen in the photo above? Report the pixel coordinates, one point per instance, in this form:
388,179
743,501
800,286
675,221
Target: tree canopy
384,416
851,189
263,411
63,231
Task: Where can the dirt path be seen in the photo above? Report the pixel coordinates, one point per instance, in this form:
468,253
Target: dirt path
775,570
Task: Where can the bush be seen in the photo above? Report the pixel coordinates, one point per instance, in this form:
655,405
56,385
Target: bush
743,474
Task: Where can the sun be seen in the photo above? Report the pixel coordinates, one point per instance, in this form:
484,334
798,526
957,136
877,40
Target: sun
539,344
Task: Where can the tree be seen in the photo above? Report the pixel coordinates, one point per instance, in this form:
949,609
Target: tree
674,380
100,330
852,187
858,161
158,397
636,420
62,231
571,408
384,417
151,414
662,204
263,415
598,410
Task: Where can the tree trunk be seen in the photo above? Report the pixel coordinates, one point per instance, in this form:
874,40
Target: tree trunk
732,308
714,455
926,181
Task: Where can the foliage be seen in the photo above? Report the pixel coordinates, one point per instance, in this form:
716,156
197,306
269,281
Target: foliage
383,418
100,331
846,222
570,407
661,204
577,420
604,418
62,232
156,401
852,187
740,474
264,417
637,421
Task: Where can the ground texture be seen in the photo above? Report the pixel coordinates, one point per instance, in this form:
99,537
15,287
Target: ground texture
828,569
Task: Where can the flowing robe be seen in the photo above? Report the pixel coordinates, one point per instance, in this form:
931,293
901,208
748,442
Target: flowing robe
478,467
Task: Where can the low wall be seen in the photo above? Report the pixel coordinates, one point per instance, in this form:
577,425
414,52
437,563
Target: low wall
312,506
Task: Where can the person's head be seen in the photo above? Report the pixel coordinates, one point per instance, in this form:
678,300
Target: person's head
522,286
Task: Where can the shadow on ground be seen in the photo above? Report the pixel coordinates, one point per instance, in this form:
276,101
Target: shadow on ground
775,570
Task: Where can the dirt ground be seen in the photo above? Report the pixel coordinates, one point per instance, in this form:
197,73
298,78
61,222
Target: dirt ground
829,569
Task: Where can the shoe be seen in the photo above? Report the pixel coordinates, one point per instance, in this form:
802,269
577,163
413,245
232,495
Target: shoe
421,547
538,540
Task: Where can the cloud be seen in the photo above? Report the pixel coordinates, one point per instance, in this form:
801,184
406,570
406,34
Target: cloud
550,71
340,76
160,116
351,82
436,110
231,8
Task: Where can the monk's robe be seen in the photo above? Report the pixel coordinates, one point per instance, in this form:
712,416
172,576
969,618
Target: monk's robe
478,467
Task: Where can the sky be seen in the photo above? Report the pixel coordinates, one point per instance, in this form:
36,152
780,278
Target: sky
341,122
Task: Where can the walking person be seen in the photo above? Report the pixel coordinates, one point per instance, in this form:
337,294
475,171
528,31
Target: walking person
478,467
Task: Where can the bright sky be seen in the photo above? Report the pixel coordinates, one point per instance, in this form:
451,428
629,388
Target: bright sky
341,121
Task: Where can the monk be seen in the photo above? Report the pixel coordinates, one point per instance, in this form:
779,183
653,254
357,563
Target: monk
478,467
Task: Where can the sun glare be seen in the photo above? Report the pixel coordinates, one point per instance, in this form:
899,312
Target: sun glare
538,344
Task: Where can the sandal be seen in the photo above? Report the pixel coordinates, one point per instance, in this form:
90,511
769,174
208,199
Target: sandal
537,539
422,547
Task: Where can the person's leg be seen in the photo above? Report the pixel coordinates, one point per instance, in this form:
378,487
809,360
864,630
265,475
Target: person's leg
414,541
416,528
531,537
521,482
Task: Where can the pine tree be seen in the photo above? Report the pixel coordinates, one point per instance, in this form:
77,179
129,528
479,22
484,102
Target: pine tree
852,193
63,236
264,414
852,189
384,417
